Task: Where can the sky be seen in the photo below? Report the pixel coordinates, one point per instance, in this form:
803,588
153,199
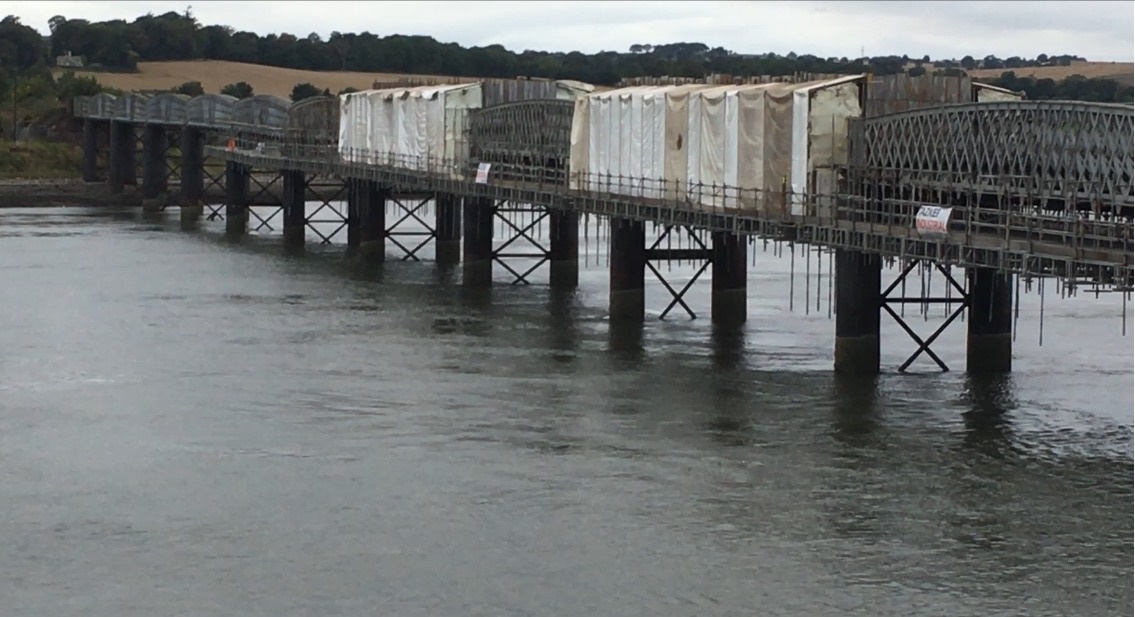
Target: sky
1100,31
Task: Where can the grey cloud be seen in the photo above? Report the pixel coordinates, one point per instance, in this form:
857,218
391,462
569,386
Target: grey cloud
1097,30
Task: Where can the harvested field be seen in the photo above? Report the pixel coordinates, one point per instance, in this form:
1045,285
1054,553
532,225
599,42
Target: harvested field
215,74
1123,72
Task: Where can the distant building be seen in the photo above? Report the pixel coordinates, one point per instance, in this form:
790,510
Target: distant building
69,61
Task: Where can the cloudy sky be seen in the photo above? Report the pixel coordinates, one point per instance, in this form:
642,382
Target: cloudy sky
1096,30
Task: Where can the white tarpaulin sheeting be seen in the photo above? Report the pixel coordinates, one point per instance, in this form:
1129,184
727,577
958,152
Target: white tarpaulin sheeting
713,145
418,128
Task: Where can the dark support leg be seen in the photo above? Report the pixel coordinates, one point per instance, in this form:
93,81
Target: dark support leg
477,270
295,207
372,220
563,249
858,301
238,192
729,279
628,268
989,344
90,151
123,163
356,192
192,169
154,146
448,229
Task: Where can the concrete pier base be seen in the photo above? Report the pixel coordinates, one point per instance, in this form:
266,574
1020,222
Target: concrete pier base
447,227
857,304
563,249
729,303
477,252
989,340
154,204
628,268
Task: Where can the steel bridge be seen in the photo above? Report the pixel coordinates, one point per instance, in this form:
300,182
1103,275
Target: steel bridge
1034,189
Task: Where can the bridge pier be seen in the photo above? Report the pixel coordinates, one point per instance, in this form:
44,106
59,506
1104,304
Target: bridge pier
627,300
447,229
563,249
858,300
366,218
989,340
730,277
477,251
155,143
90,150
122,168
238,183
294,207
192,188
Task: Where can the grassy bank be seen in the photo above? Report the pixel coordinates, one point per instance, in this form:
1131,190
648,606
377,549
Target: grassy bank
36,160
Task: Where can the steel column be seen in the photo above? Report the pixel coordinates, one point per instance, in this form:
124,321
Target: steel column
858,301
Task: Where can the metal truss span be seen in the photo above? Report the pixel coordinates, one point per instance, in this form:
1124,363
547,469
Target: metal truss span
1053,155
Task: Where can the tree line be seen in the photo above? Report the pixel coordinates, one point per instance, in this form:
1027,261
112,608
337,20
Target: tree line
119,45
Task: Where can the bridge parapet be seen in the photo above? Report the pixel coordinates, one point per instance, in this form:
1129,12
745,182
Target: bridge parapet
210,110
262,110
167,109
130,108
101,106
1051,153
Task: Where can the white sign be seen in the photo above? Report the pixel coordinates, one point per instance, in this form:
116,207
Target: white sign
933,221
482,173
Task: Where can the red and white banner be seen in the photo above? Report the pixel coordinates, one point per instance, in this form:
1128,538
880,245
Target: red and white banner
482,173
933,221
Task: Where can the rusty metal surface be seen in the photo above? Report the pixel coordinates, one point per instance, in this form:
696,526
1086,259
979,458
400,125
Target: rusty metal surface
888,94
523,139
723,79
500,91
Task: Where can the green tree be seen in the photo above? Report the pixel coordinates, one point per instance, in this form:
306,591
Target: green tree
21,47
304,91
68,86
190,88
240,90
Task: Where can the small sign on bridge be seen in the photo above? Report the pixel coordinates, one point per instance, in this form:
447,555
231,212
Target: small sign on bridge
482,173
933,221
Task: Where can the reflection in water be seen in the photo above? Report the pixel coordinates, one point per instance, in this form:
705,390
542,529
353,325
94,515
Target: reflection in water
727,347
855,401
562,328
398,440
625,340
987,420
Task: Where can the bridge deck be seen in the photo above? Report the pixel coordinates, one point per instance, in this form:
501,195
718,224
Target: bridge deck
1094,251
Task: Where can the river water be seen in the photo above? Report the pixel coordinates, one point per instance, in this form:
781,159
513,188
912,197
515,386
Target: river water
195,426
